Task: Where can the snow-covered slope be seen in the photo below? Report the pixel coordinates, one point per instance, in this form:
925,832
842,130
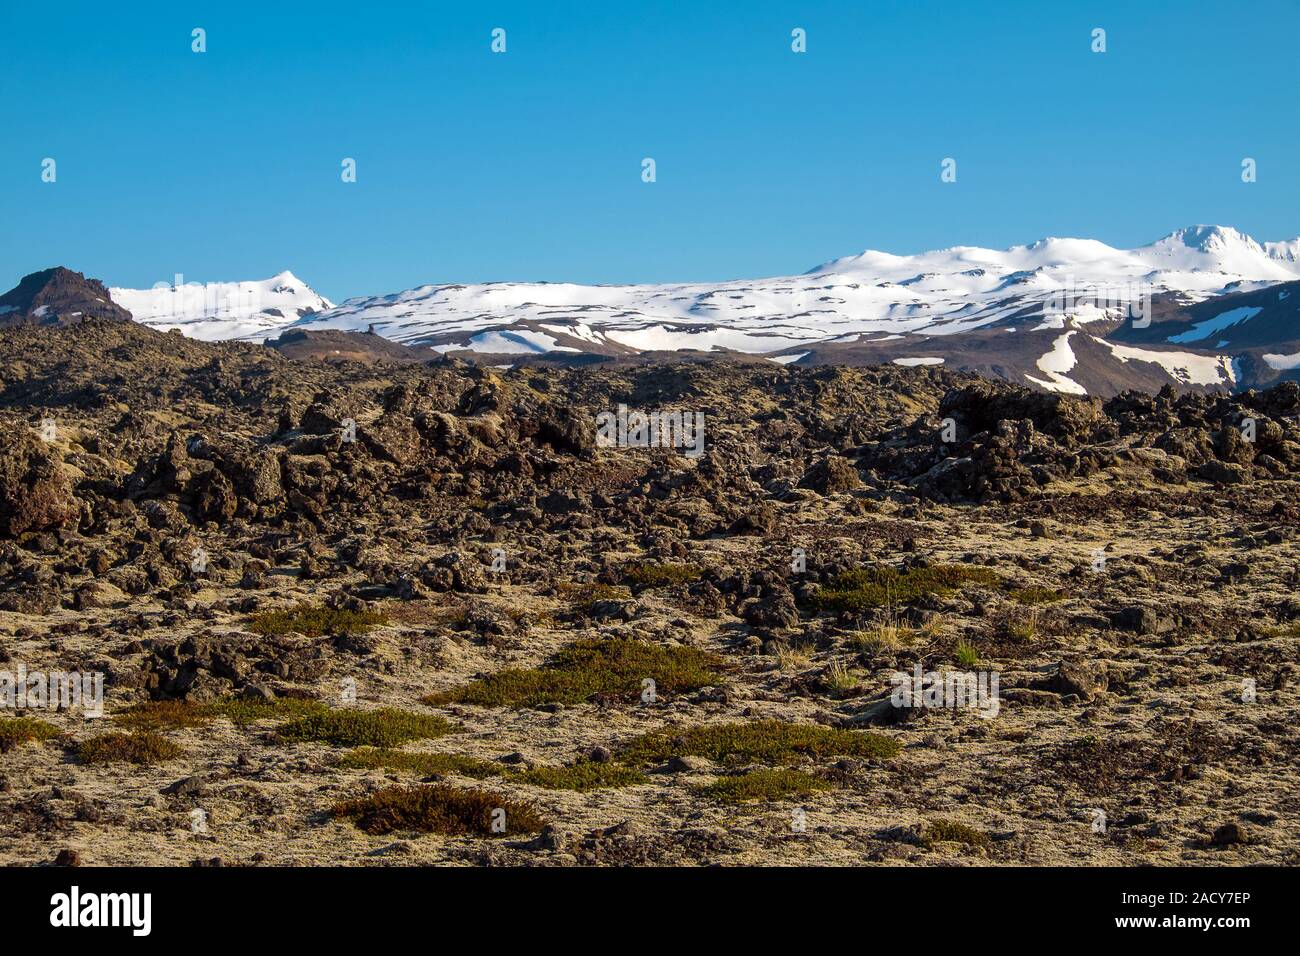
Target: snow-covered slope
224,310
853,299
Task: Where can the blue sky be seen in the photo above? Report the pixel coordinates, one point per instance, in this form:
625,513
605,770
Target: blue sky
474,166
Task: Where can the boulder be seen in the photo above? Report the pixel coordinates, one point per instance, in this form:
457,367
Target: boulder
35,491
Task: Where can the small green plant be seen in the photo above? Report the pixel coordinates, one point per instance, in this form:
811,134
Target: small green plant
950,831
777,784
314,621
428,764
386,727
966,654
20,730
1024,628
794,657
882,640
143,747
650,575
591,668
440,809
839,679
583,775
881,585
766,741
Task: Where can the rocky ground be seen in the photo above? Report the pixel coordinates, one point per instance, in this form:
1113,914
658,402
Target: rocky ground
476,596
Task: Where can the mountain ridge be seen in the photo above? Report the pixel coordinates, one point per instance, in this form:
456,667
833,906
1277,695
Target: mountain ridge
1150,315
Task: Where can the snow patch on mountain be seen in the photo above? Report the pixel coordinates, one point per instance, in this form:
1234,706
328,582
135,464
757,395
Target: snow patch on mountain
1282,363
1203,330
1058,360
1186,367
516,342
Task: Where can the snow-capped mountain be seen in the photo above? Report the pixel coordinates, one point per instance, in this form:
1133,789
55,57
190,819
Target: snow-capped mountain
849,300
1069,315
1189,259
1288,253
223,310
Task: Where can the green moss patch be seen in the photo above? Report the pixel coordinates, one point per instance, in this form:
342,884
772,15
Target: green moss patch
589,668
440,809
178,714
582,596
651,575
583,775
245,712
780,784
300,720
950,831
142,747
1036,595
765,741
386,727
163,715
428,764
314,621
20,730
880,585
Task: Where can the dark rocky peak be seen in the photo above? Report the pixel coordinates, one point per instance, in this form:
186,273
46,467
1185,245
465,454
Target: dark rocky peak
58,296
